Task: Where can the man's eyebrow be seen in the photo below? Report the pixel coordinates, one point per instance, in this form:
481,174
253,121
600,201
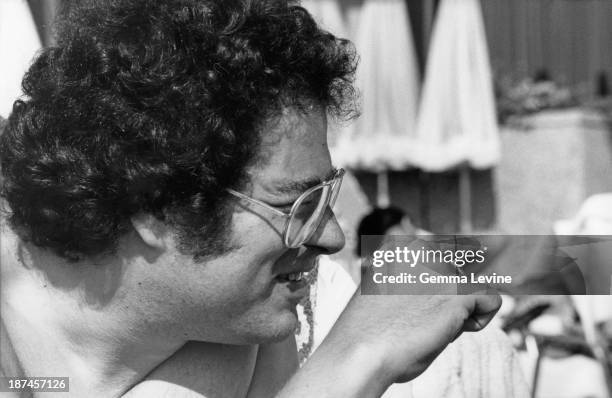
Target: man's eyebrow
292,187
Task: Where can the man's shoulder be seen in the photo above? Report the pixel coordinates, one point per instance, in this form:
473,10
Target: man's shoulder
9,241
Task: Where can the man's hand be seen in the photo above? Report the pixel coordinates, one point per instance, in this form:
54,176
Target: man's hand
406,333
380,340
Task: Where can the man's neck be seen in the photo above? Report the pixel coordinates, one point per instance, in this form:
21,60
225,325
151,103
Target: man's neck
74,326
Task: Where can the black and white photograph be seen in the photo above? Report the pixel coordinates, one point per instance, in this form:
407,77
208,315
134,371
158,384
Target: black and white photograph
306,198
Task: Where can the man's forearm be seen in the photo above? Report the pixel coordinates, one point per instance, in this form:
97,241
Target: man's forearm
339,370
381,340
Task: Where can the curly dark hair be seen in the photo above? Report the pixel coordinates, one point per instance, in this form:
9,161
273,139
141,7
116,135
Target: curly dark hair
157,106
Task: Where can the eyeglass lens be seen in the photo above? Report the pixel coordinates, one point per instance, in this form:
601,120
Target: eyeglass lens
309,212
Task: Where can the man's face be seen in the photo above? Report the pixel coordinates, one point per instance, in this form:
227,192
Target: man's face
243,296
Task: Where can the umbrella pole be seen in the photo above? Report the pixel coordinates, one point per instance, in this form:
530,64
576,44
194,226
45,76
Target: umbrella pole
465,200
382,190
424,200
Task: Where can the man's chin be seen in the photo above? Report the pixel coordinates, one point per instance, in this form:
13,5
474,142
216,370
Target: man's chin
283,326
269,326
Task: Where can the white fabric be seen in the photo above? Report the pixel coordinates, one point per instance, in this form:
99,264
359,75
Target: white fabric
593,218
476,365
333,290
388,81
19,42
457,120
575,376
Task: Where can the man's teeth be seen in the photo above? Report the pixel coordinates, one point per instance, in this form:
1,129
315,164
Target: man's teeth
292,277
296,276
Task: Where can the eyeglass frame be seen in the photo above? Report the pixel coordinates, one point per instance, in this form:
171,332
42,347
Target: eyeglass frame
335,183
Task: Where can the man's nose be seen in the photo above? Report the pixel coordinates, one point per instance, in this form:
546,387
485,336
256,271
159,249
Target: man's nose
329,236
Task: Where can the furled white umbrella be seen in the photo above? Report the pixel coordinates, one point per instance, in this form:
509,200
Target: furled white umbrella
328,14
457,125
331,17
19,42
388,81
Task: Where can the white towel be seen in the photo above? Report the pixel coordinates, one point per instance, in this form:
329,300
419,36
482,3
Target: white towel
476,365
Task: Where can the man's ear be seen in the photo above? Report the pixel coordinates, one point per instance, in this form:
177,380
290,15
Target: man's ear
152,231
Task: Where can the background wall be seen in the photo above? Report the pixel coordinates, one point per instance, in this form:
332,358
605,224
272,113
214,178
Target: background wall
570,38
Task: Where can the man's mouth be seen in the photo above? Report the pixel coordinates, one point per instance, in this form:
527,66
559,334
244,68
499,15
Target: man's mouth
293,276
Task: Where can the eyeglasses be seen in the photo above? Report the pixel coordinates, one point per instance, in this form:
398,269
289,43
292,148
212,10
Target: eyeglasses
307,211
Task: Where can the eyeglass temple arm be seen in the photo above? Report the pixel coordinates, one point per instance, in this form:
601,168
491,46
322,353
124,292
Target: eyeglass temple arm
259,202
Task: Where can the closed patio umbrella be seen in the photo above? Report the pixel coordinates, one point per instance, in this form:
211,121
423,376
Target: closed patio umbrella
388,81
457,125
328,14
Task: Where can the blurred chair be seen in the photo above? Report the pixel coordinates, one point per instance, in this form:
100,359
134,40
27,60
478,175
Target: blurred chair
593,218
